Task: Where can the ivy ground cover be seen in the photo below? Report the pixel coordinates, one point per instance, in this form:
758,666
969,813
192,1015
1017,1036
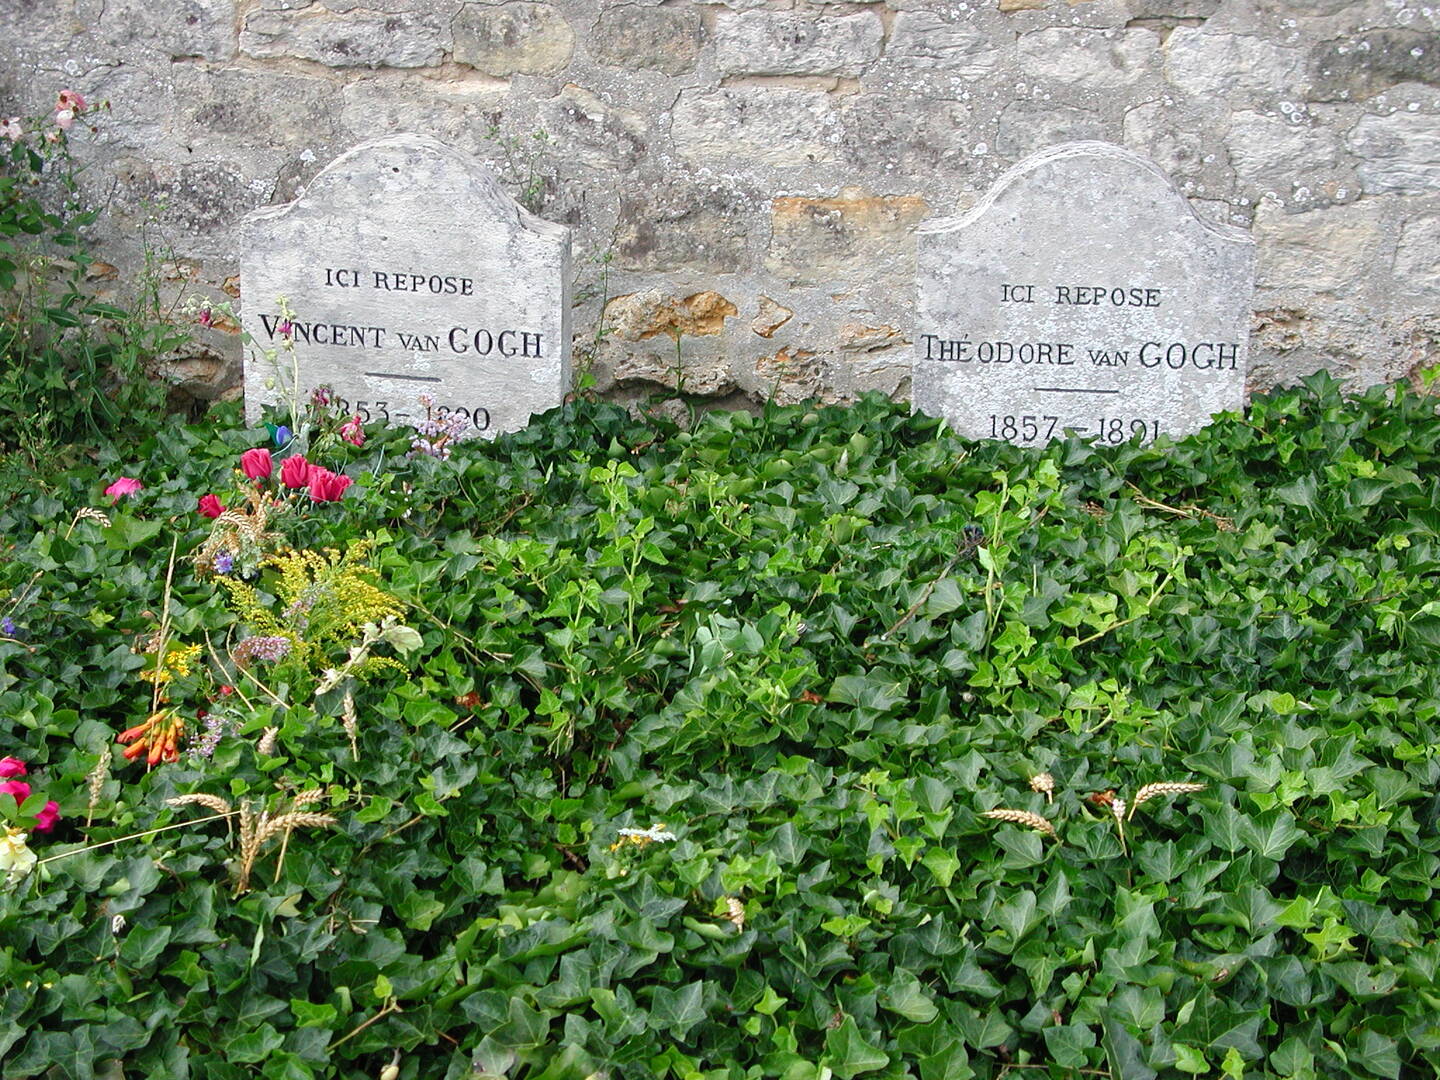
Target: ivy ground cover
820,743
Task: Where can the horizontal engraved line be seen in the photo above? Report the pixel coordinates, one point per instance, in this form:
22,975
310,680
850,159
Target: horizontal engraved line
407,378
1069,390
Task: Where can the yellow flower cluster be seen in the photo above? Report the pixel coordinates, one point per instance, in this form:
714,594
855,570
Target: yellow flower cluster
178,661
326,598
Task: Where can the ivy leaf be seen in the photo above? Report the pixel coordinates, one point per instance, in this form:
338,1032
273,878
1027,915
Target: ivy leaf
1124,1053
906,996
1271,835
677,1011
848,1054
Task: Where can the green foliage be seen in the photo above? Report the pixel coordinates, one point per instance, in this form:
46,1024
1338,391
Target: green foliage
775,639
72,366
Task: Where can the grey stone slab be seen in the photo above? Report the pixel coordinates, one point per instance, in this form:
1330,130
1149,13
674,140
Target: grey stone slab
1081,292
410,272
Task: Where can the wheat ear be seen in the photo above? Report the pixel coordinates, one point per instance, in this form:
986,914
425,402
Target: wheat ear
1023,817
1154,791
199,798
95,784
286,822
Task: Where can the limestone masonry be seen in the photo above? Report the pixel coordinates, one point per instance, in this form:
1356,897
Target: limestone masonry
745,179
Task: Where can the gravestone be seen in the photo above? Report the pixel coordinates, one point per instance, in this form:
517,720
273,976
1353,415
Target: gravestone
1081,293
412,276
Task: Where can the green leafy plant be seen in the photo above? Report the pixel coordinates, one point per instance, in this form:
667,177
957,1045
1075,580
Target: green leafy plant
72,367
723,753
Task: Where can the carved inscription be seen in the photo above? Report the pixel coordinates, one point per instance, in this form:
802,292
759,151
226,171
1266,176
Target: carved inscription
416,285
1082,295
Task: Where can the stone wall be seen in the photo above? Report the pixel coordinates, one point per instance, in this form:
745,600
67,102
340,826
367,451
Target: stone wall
748,174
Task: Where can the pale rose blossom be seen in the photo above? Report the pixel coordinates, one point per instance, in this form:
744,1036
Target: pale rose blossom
69,99
12,129
65,118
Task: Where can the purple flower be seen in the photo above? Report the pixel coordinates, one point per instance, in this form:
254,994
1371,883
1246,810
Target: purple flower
224,562
217,726
282,435
270,648
7,626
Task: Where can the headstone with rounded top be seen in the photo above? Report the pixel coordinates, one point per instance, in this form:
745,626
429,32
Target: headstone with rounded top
414,283
1082,294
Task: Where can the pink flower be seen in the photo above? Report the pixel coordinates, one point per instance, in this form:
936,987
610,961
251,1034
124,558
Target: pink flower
18,788
326,486
126,485
351,431
206,318
295,471
285,329
210,506
48,815
69,99
12,130
65,118
257,464
11,766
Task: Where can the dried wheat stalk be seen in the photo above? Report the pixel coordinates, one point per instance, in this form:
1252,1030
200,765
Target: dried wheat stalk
1022,817
200,798
95,784
1154,791
735,912
89,513
351,722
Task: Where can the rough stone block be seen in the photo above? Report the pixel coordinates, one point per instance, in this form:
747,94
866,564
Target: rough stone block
776,127
1359,66
1172,9
200,198
203,29
929,41
456,113
513,39
301,111
816,240
1186,146
775,43
873,357
1417,257
789,376
1028,126
1209,63
1398,153
671,341
915,138
769,317
593,131
1090,60
682,226
355,39
667,40
1269,149
1331,252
